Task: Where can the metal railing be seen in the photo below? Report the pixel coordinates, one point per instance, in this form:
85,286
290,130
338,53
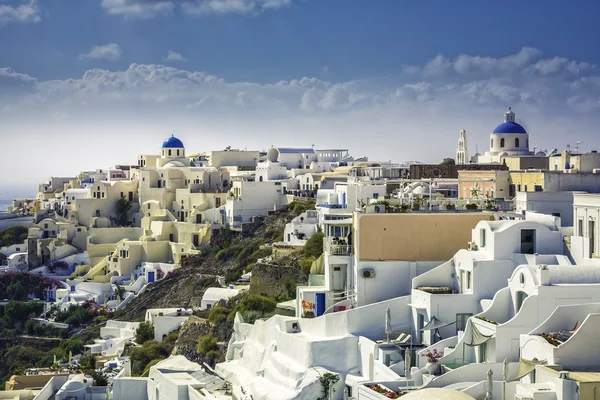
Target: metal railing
338,247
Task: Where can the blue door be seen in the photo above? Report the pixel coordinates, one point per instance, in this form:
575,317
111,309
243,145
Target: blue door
150,277
320,297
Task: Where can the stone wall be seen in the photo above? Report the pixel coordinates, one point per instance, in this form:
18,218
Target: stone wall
270,280
449,171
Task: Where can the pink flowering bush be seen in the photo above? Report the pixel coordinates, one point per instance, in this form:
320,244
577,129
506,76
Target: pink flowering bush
433,356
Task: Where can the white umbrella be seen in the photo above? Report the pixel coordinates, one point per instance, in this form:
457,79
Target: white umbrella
489,385
388,323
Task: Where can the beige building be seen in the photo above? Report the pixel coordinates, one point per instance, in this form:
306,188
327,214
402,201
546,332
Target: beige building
413,236
483,184
525,162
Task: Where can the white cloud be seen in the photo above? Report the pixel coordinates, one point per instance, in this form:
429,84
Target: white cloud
111,51
557,65
29,11
173,56
232,6
326,69
419,111
465,64
143,9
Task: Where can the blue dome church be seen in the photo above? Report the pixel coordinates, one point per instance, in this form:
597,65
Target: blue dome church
173,154
507,139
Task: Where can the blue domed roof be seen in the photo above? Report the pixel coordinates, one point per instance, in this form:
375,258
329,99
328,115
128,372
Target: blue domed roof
509,127
172,143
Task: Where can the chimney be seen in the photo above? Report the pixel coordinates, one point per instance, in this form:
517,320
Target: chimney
543,274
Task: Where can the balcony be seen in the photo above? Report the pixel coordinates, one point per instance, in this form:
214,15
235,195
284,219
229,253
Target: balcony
337,246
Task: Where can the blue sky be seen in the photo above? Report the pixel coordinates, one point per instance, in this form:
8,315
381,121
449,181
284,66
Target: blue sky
122,74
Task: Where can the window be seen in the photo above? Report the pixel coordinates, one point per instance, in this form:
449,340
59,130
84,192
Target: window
502,142
580,228
525,188
461,321
511,190
537,188
517,142
469,278
169,151
492,143
178,152
482,238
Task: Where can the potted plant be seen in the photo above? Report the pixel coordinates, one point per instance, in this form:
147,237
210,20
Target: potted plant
433,357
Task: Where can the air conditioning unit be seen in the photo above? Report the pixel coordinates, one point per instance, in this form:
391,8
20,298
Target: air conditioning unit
472,246
368,273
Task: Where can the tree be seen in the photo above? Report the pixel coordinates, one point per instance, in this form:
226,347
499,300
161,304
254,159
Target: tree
144,332
13,235
123,208
16,291
100,378
314,246
119,291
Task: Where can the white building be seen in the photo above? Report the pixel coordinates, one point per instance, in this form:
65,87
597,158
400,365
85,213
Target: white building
214,295
166,320
557,204
175,378
585,242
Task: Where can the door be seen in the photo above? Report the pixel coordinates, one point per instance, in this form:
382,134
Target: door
171,238
130,196
420,325
150,277
528,241
592,235
338,283
196,241
198,218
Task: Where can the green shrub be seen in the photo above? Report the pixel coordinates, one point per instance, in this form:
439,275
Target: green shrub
218,314
249,267
144,332
228,253
149,351
233,276
290,287
207,343
306,264
13,235
262,253
254,302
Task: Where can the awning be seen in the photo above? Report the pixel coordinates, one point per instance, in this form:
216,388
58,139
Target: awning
435,323
477,338
526,367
